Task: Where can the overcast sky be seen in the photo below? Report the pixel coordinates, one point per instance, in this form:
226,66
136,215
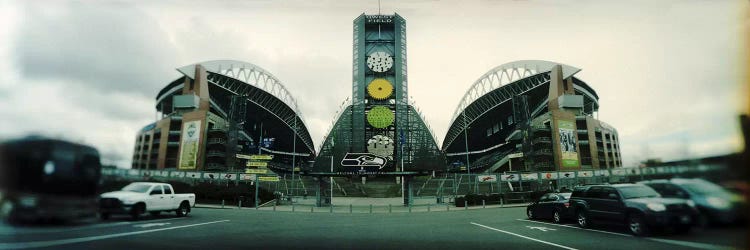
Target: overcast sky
667,72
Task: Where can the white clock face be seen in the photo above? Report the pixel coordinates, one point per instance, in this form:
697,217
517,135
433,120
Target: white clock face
380,61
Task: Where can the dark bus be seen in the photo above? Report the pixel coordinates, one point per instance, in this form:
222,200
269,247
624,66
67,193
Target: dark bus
48,179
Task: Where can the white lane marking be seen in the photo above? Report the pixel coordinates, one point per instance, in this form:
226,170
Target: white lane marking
145,225
49,243
690,244
11,230
543,229
574,227
673,242
525,237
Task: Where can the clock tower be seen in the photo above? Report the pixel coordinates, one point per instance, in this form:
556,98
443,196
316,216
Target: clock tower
380,119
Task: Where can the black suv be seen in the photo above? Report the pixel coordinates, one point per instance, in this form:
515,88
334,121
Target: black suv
636,205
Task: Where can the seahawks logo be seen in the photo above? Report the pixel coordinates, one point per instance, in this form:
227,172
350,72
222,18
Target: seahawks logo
363,160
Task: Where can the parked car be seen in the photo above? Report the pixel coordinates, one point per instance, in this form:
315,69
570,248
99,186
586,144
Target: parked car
716,204
138,198
555,206
43,179
635,205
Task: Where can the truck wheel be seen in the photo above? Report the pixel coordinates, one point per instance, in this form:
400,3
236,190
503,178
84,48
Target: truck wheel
155,213
637,225
183,210
104,216
138,209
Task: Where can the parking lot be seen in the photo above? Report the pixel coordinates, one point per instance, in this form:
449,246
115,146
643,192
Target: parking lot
490,228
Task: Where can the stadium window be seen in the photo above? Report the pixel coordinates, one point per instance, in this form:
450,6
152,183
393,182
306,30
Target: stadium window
495,128
489,131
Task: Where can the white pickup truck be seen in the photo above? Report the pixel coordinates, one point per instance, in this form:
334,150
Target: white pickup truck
138,198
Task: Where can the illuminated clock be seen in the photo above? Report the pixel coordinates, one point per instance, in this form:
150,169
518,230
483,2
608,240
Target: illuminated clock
380,117
380,89
380,61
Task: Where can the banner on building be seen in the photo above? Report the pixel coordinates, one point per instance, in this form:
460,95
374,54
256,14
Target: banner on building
211,176
530,177
568,144
248,177
549,176
178,174
567,175
191,132
619,172
585,174
601,172
509,177
487,178
194,175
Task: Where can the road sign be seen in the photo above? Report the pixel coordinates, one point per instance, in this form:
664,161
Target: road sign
257,164
241,156
268,178
256,171
261,157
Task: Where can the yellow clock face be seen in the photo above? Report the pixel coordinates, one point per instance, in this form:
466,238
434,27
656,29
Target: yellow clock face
380,89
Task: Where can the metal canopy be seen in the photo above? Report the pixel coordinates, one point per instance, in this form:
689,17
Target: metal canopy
244,78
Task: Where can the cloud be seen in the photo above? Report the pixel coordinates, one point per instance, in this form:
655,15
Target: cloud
664,69
103,46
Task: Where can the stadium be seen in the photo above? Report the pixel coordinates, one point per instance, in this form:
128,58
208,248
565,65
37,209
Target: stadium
526,116
219,109
530,116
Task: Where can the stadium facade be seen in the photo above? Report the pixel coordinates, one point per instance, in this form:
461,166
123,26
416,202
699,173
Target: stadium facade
530,116
519,117
218,109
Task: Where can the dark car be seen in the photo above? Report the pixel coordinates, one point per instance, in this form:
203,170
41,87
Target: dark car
43,179
635,205
716,204
555,206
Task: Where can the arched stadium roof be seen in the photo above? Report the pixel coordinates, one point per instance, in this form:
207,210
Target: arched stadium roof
244,78
504,82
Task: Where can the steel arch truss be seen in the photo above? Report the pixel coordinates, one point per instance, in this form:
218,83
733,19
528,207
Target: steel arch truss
498,86
260,87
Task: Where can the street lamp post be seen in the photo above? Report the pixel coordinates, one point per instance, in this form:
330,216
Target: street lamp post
294,150
466,144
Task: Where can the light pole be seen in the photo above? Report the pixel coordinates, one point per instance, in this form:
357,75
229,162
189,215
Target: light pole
294,149
466,144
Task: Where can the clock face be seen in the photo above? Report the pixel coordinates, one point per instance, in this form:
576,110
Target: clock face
380,117
380,89
380,61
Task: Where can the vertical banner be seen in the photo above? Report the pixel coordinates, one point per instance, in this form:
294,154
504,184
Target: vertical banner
189,148
568,144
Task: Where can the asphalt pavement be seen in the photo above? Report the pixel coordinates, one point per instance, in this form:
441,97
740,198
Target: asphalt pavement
209,228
